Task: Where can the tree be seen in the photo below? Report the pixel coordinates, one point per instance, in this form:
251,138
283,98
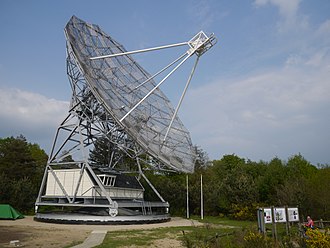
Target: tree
21,169
202,159
107,154
228,183
40,158
16,160
294,189
317,194
299,167
66,157
274,176
238,186
101,154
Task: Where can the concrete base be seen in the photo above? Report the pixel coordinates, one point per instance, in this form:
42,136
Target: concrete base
68,218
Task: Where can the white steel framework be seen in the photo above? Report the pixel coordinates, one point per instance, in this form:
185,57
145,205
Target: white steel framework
113,97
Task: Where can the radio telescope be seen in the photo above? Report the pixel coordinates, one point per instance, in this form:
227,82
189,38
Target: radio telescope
115,100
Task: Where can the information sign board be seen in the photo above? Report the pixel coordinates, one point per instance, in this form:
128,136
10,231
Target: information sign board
293,214
279,215
268,215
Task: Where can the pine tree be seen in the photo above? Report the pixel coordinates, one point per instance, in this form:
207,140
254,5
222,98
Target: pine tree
102,153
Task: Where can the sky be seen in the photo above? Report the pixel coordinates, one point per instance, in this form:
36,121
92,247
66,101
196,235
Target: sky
263,91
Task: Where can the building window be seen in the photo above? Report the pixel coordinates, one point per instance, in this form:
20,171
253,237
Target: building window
107,180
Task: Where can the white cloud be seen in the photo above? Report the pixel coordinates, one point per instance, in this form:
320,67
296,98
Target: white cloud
324,29
31,114
277,113
29,107
293,59
287,9
289,13
319,58
203,14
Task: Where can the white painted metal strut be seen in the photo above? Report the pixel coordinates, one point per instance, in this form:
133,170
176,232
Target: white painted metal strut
140,51
199,44
181,99
156,87
162,70
147,180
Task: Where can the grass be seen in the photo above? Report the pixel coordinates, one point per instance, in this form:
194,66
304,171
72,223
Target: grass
215,229
73,243
225,221
216,232
138,237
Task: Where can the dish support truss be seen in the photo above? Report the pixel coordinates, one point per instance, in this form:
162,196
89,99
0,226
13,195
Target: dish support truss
86,122
90,118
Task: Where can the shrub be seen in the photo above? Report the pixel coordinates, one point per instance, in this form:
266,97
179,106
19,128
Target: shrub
318,239
243,212
256,240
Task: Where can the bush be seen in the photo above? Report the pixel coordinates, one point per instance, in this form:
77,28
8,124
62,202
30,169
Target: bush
255,240
244,212
318,239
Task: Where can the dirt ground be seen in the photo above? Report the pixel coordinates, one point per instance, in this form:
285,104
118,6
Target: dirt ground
31,233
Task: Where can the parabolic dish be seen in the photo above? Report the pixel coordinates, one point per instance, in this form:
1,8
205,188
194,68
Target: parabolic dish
113,82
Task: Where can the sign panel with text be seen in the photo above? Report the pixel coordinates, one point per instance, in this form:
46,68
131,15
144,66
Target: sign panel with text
293,214
268,215
279,215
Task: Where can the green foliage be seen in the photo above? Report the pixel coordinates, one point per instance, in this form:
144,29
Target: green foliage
172,187
106,153
244,212
16,160
274,175
299,166
202,160
257,240
216,232
318,192
21,169
236,187
228,183
318,239
102,155
208,236
232,186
